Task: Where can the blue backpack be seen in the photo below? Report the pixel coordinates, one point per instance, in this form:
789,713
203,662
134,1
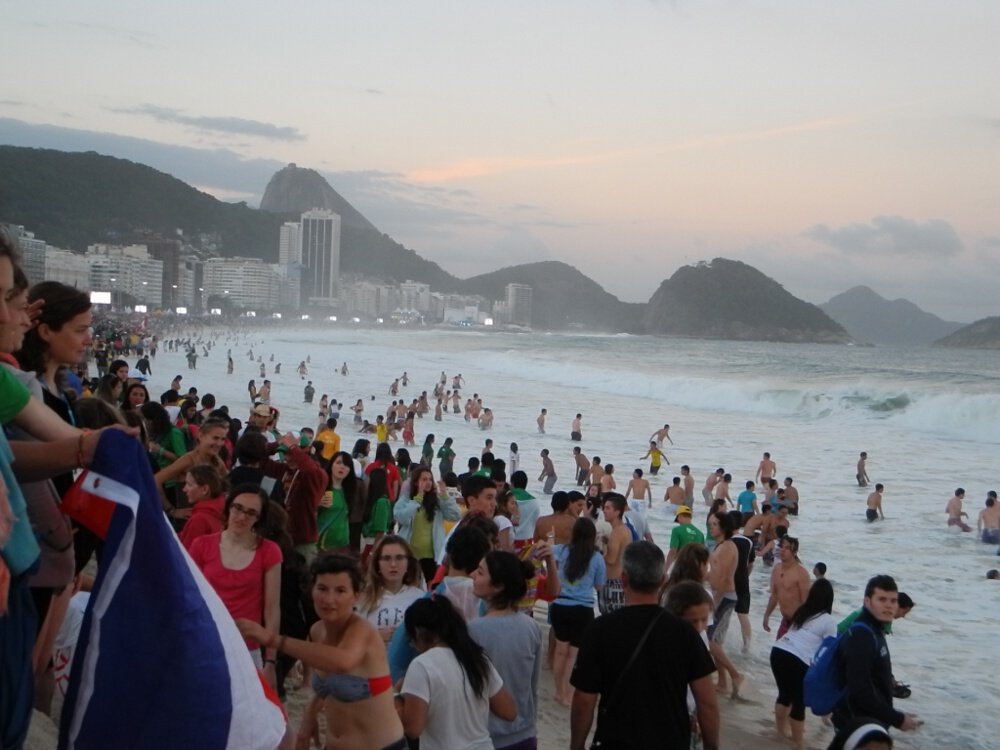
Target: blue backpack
825,686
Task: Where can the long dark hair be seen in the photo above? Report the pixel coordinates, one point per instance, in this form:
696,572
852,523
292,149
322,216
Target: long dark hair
434,618
361,448
383,453
378,486
350,483
582,546
62,304
512,574
158,420
429,502
819,600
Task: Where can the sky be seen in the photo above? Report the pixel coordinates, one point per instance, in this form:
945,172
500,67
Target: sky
828,144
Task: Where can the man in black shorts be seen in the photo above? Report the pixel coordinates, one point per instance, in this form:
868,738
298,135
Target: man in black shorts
741,579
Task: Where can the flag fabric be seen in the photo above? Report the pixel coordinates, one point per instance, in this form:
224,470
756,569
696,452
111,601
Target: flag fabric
159,663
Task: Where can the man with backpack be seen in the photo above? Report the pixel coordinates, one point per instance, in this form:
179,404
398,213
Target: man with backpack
863,657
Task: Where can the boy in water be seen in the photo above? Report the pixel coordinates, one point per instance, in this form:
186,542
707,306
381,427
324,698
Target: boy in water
656,457
874,511
955,512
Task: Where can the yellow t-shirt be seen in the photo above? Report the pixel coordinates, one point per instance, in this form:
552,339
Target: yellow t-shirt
381,433
331,443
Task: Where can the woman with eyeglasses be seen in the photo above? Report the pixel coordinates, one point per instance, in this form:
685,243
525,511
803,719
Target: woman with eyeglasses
393,583
244,568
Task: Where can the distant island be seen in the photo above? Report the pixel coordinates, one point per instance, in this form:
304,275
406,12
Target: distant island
982,334
72,200
871,318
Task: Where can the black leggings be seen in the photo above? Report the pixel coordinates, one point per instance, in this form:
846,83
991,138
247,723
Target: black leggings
789,674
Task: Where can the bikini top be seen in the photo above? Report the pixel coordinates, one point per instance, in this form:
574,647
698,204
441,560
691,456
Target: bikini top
349,688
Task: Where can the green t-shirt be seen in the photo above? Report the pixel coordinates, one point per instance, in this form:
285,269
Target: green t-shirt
381,518
334,532
13,396
422,536
844,624
685,533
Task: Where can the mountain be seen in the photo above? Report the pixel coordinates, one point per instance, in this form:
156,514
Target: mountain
74,199
294,190
871,318
727,299
983,334
562,297
363,248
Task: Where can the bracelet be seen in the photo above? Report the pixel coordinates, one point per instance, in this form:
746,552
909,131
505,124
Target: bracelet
79,448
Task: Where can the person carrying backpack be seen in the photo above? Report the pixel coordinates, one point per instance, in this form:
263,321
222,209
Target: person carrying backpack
863,658
792,654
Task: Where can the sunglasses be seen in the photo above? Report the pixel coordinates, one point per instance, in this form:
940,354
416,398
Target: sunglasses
248,512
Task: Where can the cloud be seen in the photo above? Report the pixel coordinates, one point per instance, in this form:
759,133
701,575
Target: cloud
891,235
234,125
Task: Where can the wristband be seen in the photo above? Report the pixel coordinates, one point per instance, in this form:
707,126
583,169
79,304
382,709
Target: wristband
79,448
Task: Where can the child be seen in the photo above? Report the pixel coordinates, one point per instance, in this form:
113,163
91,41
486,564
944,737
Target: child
692,603
819,571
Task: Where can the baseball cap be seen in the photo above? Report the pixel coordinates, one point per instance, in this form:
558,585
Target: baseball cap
683,510
262,410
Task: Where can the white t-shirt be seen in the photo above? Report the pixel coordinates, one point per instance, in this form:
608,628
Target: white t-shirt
456,718
803,642
390,610
502,523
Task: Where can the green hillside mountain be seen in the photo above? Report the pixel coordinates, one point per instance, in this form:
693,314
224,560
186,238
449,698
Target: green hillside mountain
562,297
727,299
982,334
74,199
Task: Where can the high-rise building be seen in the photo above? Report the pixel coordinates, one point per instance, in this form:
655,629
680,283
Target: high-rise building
290,244
128,273
169,253
319,243
519,304
246,282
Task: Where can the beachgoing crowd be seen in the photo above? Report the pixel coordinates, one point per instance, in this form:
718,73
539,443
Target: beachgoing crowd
402,592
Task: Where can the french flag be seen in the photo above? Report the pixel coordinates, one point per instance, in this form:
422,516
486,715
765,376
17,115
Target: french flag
159,662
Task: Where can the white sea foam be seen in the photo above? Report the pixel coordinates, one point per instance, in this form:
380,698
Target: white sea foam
928,419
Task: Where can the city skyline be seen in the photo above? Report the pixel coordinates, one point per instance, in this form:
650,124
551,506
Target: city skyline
826,145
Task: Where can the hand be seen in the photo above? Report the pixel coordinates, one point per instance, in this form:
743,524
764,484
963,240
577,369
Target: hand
254,631
34,310
288,440
767,626
911,722
88,448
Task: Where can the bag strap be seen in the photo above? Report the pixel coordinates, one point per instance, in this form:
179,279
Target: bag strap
613,693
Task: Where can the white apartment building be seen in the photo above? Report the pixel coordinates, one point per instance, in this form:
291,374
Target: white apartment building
248,282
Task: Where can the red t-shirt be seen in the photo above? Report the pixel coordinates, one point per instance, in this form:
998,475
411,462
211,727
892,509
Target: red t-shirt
242,591
205,518
391,476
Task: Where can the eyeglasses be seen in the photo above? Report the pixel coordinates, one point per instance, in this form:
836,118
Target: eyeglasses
393,558
248,512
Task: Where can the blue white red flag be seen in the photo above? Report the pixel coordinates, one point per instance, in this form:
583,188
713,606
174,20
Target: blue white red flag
159,663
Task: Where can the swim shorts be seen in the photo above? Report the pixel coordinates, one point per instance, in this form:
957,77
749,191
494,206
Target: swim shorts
575,436
871,514
723,614
612,596
991,536
570,622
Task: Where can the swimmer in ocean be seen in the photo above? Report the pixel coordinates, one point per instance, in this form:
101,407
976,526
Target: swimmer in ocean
874,511
955,512
988,522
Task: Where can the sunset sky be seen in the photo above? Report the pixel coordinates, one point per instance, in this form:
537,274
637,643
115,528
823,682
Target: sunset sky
827,144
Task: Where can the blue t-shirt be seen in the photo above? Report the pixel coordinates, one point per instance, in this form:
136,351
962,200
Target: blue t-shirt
579,593
746,500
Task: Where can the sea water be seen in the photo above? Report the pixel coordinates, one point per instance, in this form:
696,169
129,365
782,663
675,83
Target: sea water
928,418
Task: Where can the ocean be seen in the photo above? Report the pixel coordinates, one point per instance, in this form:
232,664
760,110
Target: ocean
929,420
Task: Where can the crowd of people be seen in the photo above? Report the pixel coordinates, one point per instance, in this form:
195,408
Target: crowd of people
402,592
